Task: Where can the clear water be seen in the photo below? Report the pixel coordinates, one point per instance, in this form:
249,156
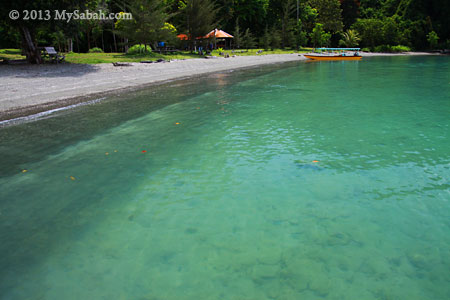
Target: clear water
228,204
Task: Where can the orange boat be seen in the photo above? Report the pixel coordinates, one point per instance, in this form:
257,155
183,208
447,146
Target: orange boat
327,54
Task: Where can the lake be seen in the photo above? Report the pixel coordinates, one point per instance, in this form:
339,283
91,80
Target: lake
308,180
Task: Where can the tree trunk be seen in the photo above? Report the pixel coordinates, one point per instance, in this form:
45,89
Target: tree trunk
78,43
114,37
103,42
88,36
31,51
70,45
126,45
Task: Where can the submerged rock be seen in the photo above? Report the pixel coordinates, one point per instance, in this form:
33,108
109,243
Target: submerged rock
308,166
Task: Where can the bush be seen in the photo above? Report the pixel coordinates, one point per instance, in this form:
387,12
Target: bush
400,48
139,49
391,49
433,38
382,48
365,50
95,50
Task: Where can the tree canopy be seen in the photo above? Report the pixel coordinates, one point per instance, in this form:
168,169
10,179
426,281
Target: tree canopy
418,24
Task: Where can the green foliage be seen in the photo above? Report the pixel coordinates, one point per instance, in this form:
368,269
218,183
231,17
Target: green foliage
248,41
265,39
330,14
59,39
350,11
400,48
149,23
95,50
200,18
319,37
391,49
301,37
418,24
350,39
252,14
237,35
139,49
275,39
432,39
390,31
287,24
370,31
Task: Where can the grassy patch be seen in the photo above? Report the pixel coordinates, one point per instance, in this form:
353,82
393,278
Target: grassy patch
98,58
11,54
245,52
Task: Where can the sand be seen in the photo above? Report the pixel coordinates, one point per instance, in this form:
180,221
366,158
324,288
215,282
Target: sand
28,89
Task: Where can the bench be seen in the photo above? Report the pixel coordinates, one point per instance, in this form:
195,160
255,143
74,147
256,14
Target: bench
52,55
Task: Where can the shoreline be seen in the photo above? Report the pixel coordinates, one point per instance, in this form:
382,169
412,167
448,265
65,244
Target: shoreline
27,90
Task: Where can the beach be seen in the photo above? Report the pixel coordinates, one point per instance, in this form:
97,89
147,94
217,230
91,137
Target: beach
29,89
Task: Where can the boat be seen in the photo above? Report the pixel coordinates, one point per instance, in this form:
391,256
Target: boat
327,54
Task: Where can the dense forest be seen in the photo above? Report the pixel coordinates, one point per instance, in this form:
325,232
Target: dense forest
378,25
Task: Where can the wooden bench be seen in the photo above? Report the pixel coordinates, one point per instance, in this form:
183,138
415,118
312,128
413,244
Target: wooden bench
51,54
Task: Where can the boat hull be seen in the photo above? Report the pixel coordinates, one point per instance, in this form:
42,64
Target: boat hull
320,57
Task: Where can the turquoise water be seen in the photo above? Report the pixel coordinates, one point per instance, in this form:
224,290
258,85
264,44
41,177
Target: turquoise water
300,181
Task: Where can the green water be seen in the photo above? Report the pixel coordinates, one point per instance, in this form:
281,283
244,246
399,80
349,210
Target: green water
228,204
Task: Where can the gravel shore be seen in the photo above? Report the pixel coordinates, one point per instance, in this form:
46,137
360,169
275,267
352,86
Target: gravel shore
27,89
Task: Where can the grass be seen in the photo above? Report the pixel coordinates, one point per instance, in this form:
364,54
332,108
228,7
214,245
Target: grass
11,54
98,58
245,52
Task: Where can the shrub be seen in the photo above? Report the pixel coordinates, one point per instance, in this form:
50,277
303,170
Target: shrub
433,38
95,50
139,49
365,50
391,49
400,48
382,48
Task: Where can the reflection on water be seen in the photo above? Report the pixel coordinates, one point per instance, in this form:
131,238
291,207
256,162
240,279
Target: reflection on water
326,180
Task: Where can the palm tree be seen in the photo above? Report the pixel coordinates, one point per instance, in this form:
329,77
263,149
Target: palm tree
350,38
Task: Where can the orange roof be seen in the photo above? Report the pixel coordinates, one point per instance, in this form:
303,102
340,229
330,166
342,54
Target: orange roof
182,37
218,34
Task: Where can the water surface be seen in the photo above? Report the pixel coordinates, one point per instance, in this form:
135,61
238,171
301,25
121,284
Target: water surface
301,181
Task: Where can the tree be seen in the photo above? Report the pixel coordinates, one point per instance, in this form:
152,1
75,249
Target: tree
350,11
148,25
29,28
248,41
432,38
319,37
300,36
251,13
59,39
89,25
275,38
370,31
265,39
330,14
237,35
390,32
200,18
287,37
350,38
308,16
